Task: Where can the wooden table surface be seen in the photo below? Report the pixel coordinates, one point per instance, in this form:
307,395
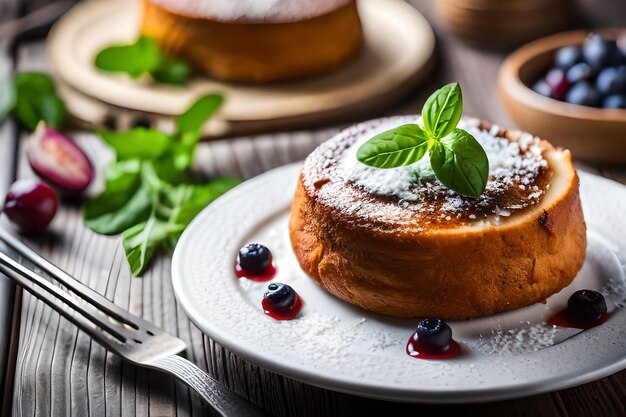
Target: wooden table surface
60,371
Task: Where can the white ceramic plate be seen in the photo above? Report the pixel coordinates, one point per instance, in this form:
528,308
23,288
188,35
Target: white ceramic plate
399,45
340,347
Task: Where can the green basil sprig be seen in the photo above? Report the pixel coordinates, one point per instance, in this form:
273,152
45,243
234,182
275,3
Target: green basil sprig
143,57
456,157
35,99
149,197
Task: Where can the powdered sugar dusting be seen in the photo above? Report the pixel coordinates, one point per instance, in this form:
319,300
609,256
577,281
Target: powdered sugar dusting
523,339
252,10
410,193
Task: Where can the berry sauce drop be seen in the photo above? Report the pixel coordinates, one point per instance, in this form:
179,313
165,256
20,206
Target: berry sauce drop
562,319
585,309
414,350
269,310
269,273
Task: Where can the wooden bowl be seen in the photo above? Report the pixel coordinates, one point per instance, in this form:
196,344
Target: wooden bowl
592,134
504,23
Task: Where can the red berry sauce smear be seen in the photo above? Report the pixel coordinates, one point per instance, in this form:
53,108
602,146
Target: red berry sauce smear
561,319
282,315
270,273
414,350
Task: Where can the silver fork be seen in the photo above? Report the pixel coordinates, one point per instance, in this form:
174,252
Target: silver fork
134,339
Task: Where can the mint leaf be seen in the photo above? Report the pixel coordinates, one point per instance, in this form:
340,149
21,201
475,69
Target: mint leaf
124,202
134,59
457,159
189,129
184,150
143,240
138,142
148,197
172,71
171,214
460,163
143,57
442,111
189,200
192,120
34,81
36,100
393,148
114,222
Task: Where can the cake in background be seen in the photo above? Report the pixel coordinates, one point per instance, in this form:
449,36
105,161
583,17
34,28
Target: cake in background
257,41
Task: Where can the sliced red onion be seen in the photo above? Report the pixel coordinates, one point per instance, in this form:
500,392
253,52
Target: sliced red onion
58,160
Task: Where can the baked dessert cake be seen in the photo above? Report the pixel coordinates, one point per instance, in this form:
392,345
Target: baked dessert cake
256,41
397,242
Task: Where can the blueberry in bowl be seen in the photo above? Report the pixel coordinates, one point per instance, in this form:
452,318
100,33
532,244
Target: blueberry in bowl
615,101
587,74
583,112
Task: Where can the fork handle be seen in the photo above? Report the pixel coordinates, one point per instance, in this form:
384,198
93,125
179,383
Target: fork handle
223,400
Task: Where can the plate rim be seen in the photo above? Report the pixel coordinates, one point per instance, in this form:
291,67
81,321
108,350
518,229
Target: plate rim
318,377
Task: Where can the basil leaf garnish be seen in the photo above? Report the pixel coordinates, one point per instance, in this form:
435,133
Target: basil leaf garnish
143,57
393,148
134,59
460,163
442,110
456,157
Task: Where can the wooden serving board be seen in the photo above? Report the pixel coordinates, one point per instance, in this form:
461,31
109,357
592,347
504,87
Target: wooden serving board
398,53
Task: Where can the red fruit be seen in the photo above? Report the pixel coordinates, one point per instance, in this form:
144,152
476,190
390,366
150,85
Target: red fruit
31,205
557,81
59,161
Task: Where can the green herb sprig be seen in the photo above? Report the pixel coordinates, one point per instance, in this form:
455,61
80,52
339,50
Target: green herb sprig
32,97
143,57
457,159
149,197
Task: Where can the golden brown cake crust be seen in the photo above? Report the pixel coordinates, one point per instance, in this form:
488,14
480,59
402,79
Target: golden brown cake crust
455,272
258,52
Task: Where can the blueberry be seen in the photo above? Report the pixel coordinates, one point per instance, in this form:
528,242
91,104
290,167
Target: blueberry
567,56
586,306
281,296
599,52
433,334
255,258
615,101
579,72
611,80
584,94
541,87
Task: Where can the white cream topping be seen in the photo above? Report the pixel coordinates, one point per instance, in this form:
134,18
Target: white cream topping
509,162
339,181
252,10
